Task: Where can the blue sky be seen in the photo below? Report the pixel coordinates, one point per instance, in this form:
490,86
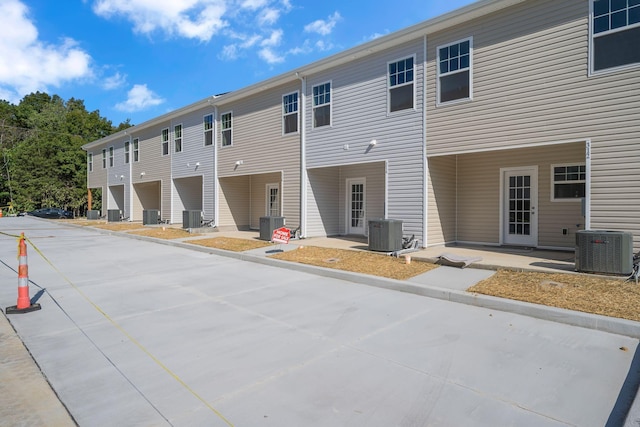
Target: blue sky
138,59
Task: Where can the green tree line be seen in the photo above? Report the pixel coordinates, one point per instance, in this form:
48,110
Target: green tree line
42,162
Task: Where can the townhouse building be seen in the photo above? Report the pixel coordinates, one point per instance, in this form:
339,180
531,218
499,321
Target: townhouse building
506,122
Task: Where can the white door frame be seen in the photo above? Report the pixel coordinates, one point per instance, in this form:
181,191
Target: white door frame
360,230
506,238
268,188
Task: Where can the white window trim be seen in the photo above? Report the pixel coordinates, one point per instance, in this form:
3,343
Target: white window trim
111,156
135,149
162,142
222,129
90,162
175,147
212,130
289,114
438,75
268,188
127,152
592,72
553,182
413,82
330,103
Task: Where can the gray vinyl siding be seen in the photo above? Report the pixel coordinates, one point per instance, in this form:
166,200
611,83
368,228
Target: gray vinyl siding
259,142
118,179
234,203
323,210
359,115
156,168
183,164
531,85
441,223
478,194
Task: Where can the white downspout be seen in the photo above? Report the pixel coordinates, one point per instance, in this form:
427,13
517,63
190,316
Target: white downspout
303,157
216,193
425,166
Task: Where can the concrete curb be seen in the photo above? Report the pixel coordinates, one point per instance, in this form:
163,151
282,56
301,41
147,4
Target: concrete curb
584,320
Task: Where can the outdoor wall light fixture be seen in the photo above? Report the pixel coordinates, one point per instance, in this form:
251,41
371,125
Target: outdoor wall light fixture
142,174
197,164
121,177
240,162
373,143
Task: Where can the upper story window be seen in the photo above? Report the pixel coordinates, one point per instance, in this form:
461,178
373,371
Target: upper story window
110,157
400,84
616,33
177,138
165,141
126,152
226,124
208,129
322,105
136,151
104,158
568,181
454,71
290,113
90,162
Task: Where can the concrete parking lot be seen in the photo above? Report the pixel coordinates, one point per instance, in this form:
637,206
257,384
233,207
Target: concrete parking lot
136,333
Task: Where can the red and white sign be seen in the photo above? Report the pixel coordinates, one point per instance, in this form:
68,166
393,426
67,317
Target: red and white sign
281,235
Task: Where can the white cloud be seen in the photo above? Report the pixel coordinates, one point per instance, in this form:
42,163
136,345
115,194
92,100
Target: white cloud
139,98
194,19
268,17
323,27
269,56
322,46
28,64
115,81
253,4
229,52
274,39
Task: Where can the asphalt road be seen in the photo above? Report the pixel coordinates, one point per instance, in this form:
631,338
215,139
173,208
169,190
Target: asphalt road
133,332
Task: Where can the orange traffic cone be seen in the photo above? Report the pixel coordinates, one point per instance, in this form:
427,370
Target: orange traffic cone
24,302
0,213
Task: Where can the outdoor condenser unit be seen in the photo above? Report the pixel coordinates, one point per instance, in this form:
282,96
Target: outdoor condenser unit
385,235
150,216
268,224
93,214
603,251
113,215
191,219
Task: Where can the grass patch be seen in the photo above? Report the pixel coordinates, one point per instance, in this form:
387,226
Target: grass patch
578,292
231,244
117,226
357,262
168,233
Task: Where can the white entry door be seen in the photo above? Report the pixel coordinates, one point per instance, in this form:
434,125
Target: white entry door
356,206
520,201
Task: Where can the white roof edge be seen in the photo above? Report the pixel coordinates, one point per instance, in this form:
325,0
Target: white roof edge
430,26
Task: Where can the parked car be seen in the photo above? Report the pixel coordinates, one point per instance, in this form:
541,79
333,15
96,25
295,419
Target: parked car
51,213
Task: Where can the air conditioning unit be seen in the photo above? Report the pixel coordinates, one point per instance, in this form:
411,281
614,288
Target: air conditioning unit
93,214
603,251
113,215
268,224
191,219
150,216
385,235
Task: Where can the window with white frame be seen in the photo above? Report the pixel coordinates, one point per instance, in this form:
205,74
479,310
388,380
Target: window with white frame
110,157
126,151
273,199
322,105
177,138
208,129
568,181
165,141
400,84
90,162
290,113
104,158
454,71
136,151
616,33
227,127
